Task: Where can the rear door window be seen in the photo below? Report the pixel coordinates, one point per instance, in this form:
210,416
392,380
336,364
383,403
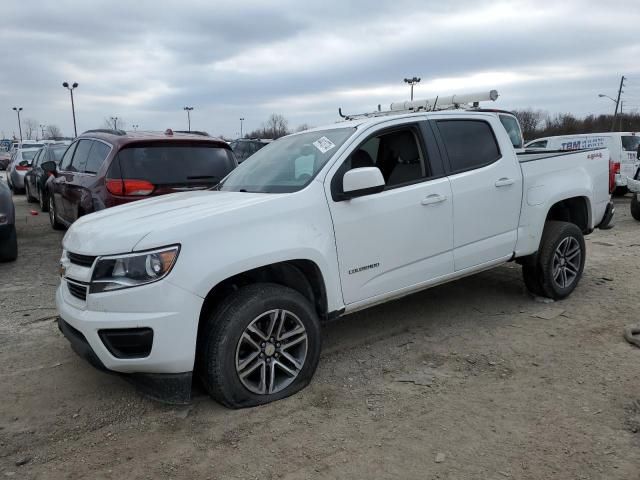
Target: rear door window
80,157
65,163
176,163
97,156
469,143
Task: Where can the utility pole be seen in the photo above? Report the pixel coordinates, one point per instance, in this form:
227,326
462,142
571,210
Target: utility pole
18,110
615,113
42,128
115,122
188,109
241,120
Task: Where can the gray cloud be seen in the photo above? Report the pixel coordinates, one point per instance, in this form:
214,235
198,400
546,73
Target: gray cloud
145,60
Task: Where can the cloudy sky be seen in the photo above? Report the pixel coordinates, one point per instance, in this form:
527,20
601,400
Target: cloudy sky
144,60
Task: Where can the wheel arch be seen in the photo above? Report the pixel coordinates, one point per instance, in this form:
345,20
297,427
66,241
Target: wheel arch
576,210
301,275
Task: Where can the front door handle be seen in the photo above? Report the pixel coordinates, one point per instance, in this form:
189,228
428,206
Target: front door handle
433,199
505,182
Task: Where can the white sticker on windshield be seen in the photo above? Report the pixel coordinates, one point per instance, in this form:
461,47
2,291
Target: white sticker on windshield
323,144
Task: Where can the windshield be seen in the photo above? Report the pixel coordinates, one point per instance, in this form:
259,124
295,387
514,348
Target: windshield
58,152
630,143
288,164
28,154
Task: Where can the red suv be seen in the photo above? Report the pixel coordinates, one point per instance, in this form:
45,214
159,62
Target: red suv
104,168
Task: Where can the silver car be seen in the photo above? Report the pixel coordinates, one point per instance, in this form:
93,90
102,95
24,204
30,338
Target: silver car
20,165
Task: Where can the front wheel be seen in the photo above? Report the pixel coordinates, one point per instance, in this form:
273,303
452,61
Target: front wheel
635,207
260,345
560,260
27,191
43,200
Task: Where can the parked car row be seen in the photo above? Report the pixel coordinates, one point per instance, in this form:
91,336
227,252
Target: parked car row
105,168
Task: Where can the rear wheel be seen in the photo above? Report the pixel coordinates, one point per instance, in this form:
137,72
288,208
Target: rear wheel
620,191
560,260
53,217
531,277
635,207
9,246
260,345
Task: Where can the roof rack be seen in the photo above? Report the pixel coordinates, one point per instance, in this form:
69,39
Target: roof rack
106,130
461,101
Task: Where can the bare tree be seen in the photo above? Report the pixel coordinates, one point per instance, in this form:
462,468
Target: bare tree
52,132
530,121
29,128
109,124
276,126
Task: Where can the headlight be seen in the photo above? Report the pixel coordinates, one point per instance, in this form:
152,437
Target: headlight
133,269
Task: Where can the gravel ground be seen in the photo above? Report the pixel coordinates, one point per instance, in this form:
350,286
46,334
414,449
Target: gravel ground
470,380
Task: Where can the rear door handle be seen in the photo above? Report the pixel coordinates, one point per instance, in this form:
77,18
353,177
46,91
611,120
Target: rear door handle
433,199
505,182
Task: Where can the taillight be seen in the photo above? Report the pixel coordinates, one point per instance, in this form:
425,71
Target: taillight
129,187
614,169
23,168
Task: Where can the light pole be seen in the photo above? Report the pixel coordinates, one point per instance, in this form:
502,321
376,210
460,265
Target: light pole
73,107
241,120
188,109
115,122
18,110
412,82
42,129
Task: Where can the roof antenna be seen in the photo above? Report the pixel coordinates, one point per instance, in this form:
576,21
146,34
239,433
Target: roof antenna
340,112
434,104
379,107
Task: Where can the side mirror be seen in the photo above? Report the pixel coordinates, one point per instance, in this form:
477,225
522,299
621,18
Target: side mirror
362,181
49,167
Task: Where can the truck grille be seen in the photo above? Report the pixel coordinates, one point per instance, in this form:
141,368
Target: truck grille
82,260
77,290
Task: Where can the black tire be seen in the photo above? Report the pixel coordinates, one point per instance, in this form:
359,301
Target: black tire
9,246
531,276
620,191
53,217
222,331
43,200
553,235
635,207
27,191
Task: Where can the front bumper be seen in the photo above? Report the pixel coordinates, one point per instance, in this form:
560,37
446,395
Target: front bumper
169,311
173,388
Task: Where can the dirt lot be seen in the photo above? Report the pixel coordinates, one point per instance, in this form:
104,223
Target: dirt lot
504,386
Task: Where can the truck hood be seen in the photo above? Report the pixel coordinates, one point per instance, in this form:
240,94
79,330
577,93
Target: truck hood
120,229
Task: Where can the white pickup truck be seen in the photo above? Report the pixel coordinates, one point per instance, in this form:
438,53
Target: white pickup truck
233,283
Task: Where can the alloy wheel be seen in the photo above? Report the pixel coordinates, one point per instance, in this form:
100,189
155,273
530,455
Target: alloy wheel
566,262
271,352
